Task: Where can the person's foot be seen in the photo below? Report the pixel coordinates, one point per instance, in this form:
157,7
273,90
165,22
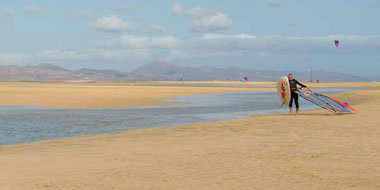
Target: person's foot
290,111
297,111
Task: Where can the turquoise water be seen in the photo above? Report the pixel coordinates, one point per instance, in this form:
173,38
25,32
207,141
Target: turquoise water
20,124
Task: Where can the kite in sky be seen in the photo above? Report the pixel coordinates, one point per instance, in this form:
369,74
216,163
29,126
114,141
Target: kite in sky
336,43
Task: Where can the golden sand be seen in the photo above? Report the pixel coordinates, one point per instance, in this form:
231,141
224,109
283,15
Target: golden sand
315,150
94,94
101,95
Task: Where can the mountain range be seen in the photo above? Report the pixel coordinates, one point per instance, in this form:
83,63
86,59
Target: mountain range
166,71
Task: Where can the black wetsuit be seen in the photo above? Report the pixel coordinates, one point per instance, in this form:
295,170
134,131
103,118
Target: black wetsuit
293,88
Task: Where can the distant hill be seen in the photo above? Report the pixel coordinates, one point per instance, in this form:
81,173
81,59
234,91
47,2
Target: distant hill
175,72
163,71
40,72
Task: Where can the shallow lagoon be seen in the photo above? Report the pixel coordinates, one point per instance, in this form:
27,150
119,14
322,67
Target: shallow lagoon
20,124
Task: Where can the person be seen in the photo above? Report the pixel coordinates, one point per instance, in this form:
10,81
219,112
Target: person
294,96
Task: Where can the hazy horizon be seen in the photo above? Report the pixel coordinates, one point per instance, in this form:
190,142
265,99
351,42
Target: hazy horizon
144,66
261,34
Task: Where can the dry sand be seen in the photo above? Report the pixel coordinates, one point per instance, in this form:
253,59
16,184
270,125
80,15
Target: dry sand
314,150
102,95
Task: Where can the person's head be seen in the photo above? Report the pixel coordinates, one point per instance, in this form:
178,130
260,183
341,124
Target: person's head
290,76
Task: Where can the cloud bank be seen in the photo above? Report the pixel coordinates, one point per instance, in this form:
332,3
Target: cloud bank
218,21
112,23
202,20
243,47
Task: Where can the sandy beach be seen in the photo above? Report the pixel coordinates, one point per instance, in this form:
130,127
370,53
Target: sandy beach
93,94
105,95
314,150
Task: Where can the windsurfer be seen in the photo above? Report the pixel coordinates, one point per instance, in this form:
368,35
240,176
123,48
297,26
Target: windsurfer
293,88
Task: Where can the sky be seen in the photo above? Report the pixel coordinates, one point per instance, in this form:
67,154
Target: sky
252,34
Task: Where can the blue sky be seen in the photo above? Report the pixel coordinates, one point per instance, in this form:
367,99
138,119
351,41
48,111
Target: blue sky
254,34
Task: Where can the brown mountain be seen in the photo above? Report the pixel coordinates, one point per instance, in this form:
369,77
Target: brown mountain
161,71
40,72
175,72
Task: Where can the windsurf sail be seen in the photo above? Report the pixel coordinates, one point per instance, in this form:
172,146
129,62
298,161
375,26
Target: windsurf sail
328,103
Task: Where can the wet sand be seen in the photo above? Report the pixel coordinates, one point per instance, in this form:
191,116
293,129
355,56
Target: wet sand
313,150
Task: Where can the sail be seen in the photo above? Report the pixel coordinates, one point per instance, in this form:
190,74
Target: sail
326,102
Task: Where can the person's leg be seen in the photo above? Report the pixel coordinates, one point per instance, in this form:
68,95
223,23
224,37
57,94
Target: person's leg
296,102
291,102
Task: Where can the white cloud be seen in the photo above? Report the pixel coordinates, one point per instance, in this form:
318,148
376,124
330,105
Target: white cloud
235,42
196,12
77,56
123,55
87,14
59,54
228,37
111,23
157,29
14,58
273,3
239,42
177,10
206,21
34,10
143,42
217,21
8,11
284,43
